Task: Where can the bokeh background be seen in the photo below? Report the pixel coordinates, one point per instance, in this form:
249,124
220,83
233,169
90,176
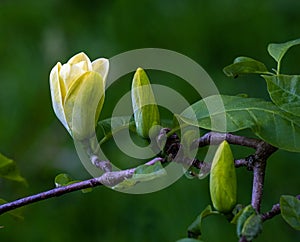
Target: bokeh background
34,35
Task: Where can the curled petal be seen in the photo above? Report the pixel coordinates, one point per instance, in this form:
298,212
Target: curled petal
58,92
70,73
101,66
82,102
81,57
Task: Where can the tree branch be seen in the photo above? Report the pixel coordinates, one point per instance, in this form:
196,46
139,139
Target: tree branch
109,179
214,138
263,152
274,211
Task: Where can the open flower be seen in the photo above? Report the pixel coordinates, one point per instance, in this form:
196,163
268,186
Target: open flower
77,92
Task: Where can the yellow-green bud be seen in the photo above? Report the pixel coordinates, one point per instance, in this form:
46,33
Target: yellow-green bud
223,183
77,91
145,109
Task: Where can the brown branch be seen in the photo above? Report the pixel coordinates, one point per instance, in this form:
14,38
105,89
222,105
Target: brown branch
214,138
273,212
109,179
263,152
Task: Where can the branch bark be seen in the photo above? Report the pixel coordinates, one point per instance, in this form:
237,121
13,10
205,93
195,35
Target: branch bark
274,211
107,179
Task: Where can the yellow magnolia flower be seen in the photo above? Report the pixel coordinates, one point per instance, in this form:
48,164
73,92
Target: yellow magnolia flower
77,92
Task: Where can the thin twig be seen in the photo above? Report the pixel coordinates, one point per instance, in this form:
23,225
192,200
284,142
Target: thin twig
214,138
109,179
203,165
274,211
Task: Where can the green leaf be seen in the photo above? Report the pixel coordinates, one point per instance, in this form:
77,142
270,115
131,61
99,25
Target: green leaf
245,65
252,227
16,213
277,51
108,127
143,173
194,230
290,210
265,119
242,216
249,223
9,170
145,109
284,91
236,212
188,240
64,179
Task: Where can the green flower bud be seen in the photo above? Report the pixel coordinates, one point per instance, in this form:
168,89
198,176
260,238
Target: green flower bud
77,91
223,183
145,110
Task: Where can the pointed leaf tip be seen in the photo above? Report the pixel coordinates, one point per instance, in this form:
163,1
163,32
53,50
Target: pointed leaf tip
245,65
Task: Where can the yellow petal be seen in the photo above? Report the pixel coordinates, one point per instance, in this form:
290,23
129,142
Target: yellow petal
70,73
74,68
58,93
81,57
101,66
82,102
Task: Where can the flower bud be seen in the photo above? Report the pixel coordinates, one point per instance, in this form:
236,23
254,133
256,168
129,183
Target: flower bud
145,110
223,183
77,92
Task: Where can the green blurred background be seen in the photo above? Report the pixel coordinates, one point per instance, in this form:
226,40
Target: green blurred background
34,35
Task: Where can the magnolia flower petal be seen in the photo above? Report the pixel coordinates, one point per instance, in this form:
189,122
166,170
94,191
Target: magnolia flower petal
70,73
101,66
81,57
82,103
58,93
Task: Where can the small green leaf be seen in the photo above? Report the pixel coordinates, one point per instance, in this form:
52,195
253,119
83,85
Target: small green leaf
284,91
243,215
277,51
16,213
290,210
108,127
64,179
145,109
194,230
265,119
245,65
236,212
252,227
143,173
189,240
9,170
